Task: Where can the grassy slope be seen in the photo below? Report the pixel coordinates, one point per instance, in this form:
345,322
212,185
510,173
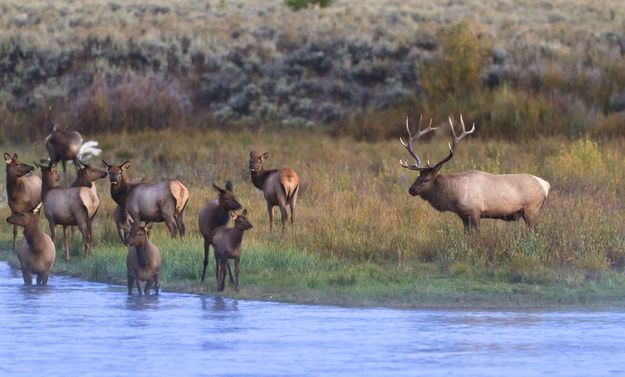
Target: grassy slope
360,239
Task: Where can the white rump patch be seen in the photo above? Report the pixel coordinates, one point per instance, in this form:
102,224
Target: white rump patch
544,184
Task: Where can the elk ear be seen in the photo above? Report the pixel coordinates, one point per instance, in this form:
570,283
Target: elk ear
233,215
244,213
37,165
252,154
265,156
7,158
106,164
80,164
125,165
36,209
15,156
228,185
217,188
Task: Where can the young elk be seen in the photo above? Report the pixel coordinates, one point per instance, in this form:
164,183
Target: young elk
216,213
67,207
278,186
23,188
143,262
63,145
227,243
36,252
163,201
474,195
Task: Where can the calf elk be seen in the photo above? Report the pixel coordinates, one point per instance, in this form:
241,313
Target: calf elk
163,201
67,207
216,213
23,188
227,243
278,186
143,262
36,252
474,195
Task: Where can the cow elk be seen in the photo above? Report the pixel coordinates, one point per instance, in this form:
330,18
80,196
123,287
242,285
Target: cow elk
143,262
163,201
63,145
216,213
67,207
227,242
23,188
36,253
279,186
474,195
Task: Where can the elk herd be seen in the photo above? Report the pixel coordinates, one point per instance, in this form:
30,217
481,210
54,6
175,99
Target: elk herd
472,195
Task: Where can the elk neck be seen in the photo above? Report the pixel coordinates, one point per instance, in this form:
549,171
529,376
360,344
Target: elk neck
438,194
47,185
33,234
260,177
120,192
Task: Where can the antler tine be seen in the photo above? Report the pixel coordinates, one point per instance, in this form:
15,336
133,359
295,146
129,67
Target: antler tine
427,129
410,148
455,139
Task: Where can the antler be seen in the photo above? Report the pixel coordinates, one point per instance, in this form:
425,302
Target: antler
418,165
456,139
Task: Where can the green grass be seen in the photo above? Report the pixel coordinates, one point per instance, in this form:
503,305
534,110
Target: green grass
360,239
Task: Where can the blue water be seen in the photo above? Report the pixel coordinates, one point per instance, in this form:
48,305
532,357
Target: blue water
78,328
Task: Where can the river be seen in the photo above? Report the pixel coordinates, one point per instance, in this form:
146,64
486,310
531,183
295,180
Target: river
78,328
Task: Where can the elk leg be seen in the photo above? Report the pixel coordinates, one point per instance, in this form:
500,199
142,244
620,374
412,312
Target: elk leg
292,202
170,222
236,272
229,272
84,230
131,283
206,249
63,163
283,213
148,286
14,235
157,282
44,278
217,269
52,227
179,217
270,211
38,279
139,288
65,243
90,230
222,276
28,277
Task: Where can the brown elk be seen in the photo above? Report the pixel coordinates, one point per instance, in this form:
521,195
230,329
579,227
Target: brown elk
68,206
163,201
143,262
216,213
227,242
63,145
279,186
474,195
36,252
23,188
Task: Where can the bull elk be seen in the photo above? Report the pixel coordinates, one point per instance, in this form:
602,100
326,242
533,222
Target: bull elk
474,195
227,242
279,186
68,206
63,145
23,188
163,201
216,213
36,253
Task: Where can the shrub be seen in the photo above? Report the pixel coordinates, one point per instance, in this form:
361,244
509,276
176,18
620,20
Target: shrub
301,4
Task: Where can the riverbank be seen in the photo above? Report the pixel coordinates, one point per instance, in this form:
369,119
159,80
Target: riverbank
420,286
359,238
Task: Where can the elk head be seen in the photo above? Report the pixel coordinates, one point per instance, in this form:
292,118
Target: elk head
241,221
23,219
15,168
140,236
256,161
86,173
428,172
116,173
227,199
49,175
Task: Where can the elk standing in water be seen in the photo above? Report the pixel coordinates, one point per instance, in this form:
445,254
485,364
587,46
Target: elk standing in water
23,188
63,145
67,207
36,253
216,213
227,243
474,195
143,262
163,201
279,187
